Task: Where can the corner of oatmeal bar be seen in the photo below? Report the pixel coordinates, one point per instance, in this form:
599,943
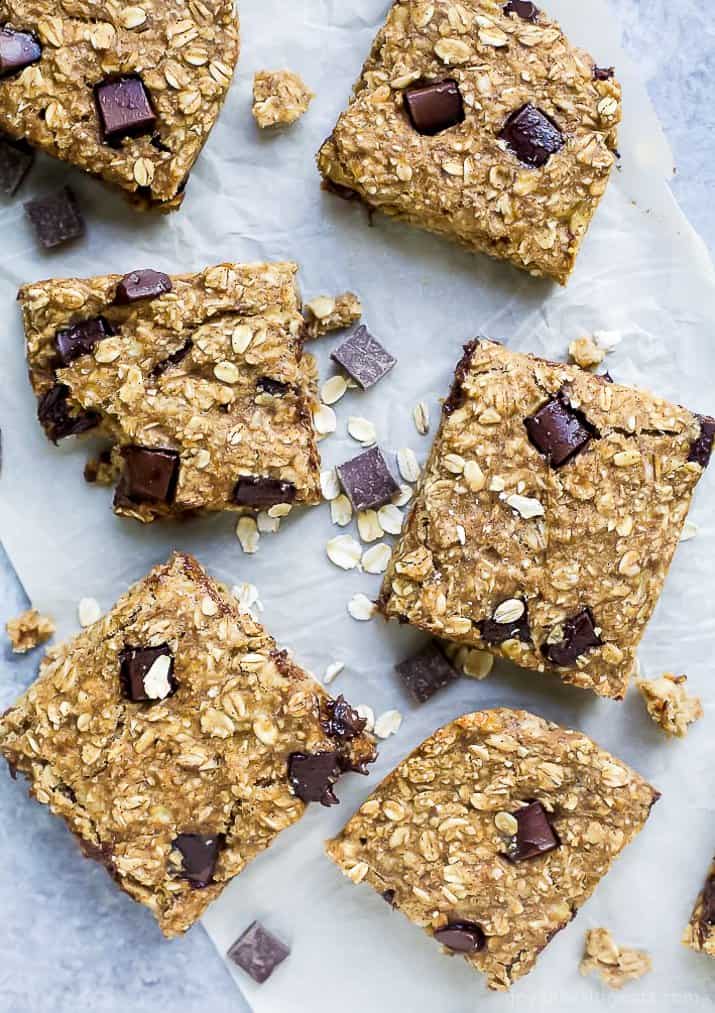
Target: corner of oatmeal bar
700,933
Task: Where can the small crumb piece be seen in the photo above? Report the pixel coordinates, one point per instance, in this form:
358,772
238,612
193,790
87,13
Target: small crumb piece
101,470
280,97
88,612
328,313
28,630
615,964
669,704
586,353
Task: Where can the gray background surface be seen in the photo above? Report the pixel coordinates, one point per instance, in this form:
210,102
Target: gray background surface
69,940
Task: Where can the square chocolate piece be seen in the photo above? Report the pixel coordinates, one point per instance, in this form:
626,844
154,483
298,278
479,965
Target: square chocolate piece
367,480
427,672
547,517
482,123
199,381
363,358
258,952
164,735
129,94
16,160
56,218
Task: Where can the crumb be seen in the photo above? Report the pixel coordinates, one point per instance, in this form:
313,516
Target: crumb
28,631
101,470
669,704
280,98
326,314
614,963
586,353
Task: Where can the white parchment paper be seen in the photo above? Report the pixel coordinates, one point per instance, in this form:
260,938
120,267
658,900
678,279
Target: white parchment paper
643,273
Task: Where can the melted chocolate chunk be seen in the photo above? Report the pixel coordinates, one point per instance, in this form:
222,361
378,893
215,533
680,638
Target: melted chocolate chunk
367,481
260,492
496,633
16,158
702,449
341,721
150,475
56,218
81,338
124,108
559,432
526,10
457,395
363,358
54,414
138,285
135,664
270,386
579,636
462,937
172,360
603,73
434,107
532,136
312,776
17,51
389,897
535,835
258,952
424,674
200,855
707,916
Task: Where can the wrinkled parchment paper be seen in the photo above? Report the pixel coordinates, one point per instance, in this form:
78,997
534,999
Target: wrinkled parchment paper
643,273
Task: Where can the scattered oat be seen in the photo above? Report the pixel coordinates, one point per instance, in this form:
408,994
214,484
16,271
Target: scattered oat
369,526
267,523
341,511
88,612
329,485
690,530
280,98
328,313
420,413
391,519
368,716
324,420
616,965
404,496
607,340
388,724
247,597
377,558
247,533
361,608
333,671
345,551
362,430
669,703
586,353
333,389
408,464
28,630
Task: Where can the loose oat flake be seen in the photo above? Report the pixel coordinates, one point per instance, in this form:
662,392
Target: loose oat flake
361,608
408,464
344,551
88,612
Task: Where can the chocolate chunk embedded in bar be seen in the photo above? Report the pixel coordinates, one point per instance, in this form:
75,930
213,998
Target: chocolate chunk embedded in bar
258,952
363,358
462,937
199,853
434,107
16,160
147,673
510,621
532,135
702,448
125,108
145,284
535,835
81,338
56,218
58,419
524,9
559,432
313,775
260,492
17,51
425,673
150,474
367,480
572,639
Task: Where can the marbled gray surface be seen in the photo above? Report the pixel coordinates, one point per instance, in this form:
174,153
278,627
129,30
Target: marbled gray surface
69,940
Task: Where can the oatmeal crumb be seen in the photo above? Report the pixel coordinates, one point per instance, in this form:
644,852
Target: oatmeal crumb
280,98
586,353
614,963
28,630
331,313
669,703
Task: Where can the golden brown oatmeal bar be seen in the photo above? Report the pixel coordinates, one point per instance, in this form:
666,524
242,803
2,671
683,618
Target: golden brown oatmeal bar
28,630
493,833
127,93
700,933
479,121
547,516
177,741
199,381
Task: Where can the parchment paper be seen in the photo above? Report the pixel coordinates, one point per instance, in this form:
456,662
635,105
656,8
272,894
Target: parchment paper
643,273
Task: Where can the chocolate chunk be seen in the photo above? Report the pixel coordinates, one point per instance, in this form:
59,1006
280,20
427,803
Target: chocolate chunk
559,431
607,378
56,418
363,358
341,721
707,916
389,897
150,475
495,632
138,285
17,51
135,665
462,937
579,636
124,107
532,136
603,73
312,776
172,360
424,674
367,481
535,835
457,395
258,952
81,338
16,159
200,854
434,107
260,492
526,10
267,385
56,218
702,449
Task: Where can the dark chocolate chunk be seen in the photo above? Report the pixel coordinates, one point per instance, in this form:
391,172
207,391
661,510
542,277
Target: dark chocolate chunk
150,475
135,664
260,492
389,897
424,674
125,109
603,73
200,854
707,915
702,449
535,835
81,338
312,776
56,218
341,721
367,481
607,378
363,358
16,159
579,636
172,360
494,632
138,285
525,9
457,397
56,418
17,51
258,952
532,136
462,937
559,431
434,107
267,385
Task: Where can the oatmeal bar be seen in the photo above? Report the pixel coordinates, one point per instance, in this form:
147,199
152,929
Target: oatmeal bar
547,516
700,933
177,741
479,121
199,381
127,93
493,833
